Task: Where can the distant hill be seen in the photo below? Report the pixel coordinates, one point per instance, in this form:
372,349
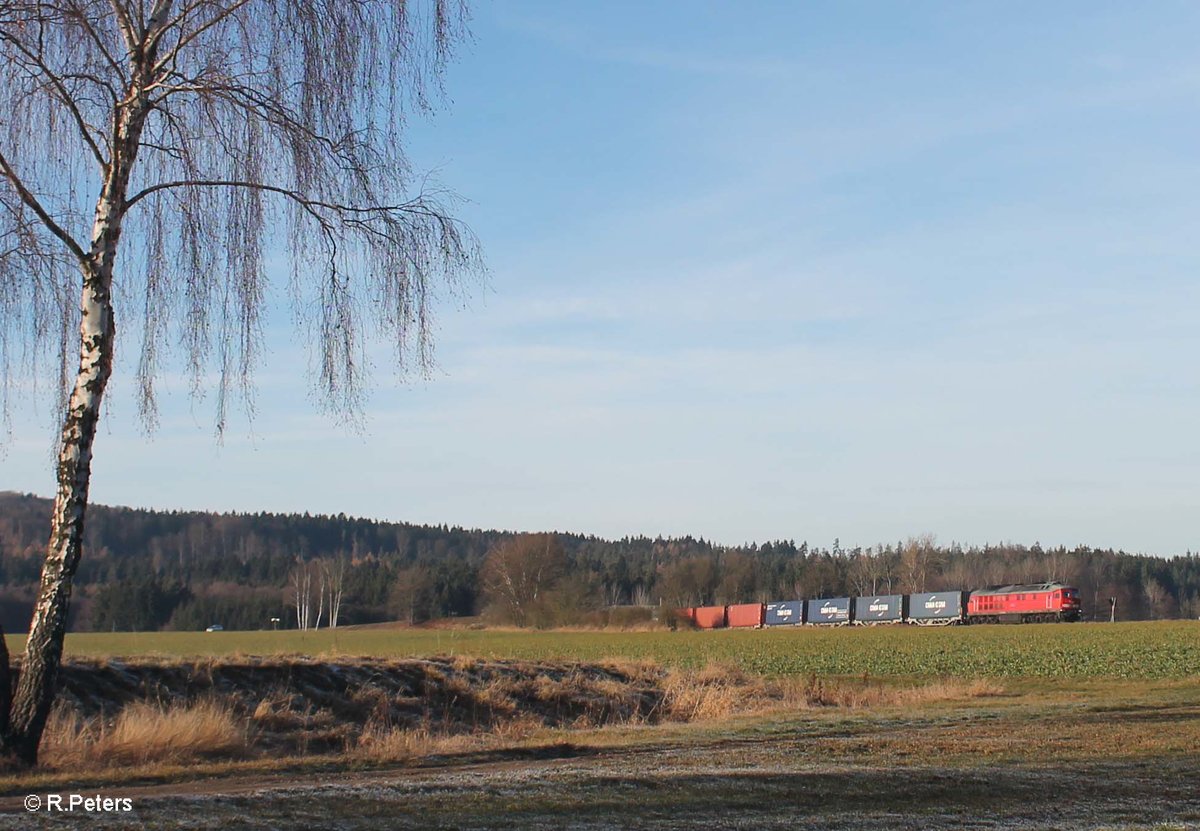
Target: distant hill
185,569
234,553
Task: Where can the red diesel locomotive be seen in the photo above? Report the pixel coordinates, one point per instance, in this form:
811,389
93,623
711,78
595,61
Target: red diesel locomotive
1038,603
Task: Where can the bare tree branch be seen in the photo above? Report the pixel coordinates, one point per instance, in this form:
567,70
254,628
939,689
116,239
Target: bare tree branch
185,39
417,206
64,97
32,202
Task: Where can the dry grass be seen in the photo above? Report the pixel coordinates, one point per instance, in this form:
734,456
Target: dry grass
717,691
721,691
378,743
517,730
275,712
453,705
497,696
951,690
553,690
385,743
464,663
819,692
144,733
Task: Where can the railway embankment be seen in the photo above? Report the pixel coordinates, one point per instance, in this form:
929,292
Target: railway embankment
147,711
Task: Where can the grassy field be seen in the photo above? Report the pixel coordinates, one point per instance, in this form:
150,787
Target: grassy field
1107,714
1023,755
1161,649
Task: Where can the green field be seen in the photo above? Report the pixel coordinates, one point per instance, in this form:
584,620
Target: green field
1161,649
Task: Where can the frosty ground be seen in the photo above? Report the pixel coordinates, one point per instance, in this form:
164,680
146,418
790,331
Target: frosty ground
1035,758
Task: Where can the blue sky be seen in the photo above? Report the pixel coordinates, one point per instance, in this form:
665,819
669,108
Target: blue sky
770,270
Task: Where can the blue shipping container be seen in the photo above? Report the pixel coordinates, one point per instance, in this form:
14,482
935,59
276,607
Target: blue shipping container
935,606
827,610
787,613
882,608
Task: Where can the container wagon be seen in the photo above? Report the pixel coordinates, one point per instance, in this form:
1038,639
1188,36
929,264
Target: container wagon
784,613
884,608
937,608
745,615
830,611
709,617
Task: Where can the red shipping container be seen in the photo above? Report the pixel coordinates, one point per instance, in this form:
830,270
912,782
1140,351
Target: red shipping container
745,614
709,617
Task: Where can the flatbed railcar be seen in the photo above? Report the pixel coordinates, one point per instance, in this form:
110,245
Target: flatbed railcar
937,608
828,611
784,613
744,615
880,609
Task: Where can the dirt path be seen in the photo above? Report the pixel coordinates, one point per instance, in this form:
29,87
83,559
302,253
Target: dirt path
265,784
764,783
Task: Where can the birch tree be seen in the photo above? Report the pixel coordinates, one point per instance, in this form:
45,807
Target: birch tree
335,580
152,152
300,583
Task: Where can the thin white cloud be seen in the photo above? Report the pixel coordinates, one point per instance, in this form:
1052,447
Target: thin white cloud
584,43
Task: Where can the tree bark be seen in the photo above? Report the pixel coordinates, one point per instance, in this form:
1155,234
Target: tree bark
5,685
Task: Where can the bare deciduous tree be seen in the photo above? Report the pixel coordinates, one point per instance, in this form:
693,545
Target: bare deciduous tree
335,581
517,574
320,575
864,573
642,596
411,594
199,134
689,581
300,583
918,558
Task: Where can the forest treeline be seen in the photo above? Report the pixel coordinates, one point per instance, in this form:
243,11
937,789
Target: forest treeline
186,570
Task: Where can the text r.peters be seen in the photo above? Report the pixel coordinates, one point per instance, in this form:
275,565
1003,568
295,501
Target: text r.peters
79,802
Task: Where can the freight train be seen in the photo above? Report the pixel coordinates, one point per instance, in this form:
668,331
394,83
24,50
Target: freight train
1036,603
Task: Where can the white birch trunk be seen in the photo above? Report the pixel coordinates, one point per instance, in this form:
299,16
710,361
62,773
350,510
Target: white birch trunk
297,598
336,574
320,594
43,652
303,597
36,687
